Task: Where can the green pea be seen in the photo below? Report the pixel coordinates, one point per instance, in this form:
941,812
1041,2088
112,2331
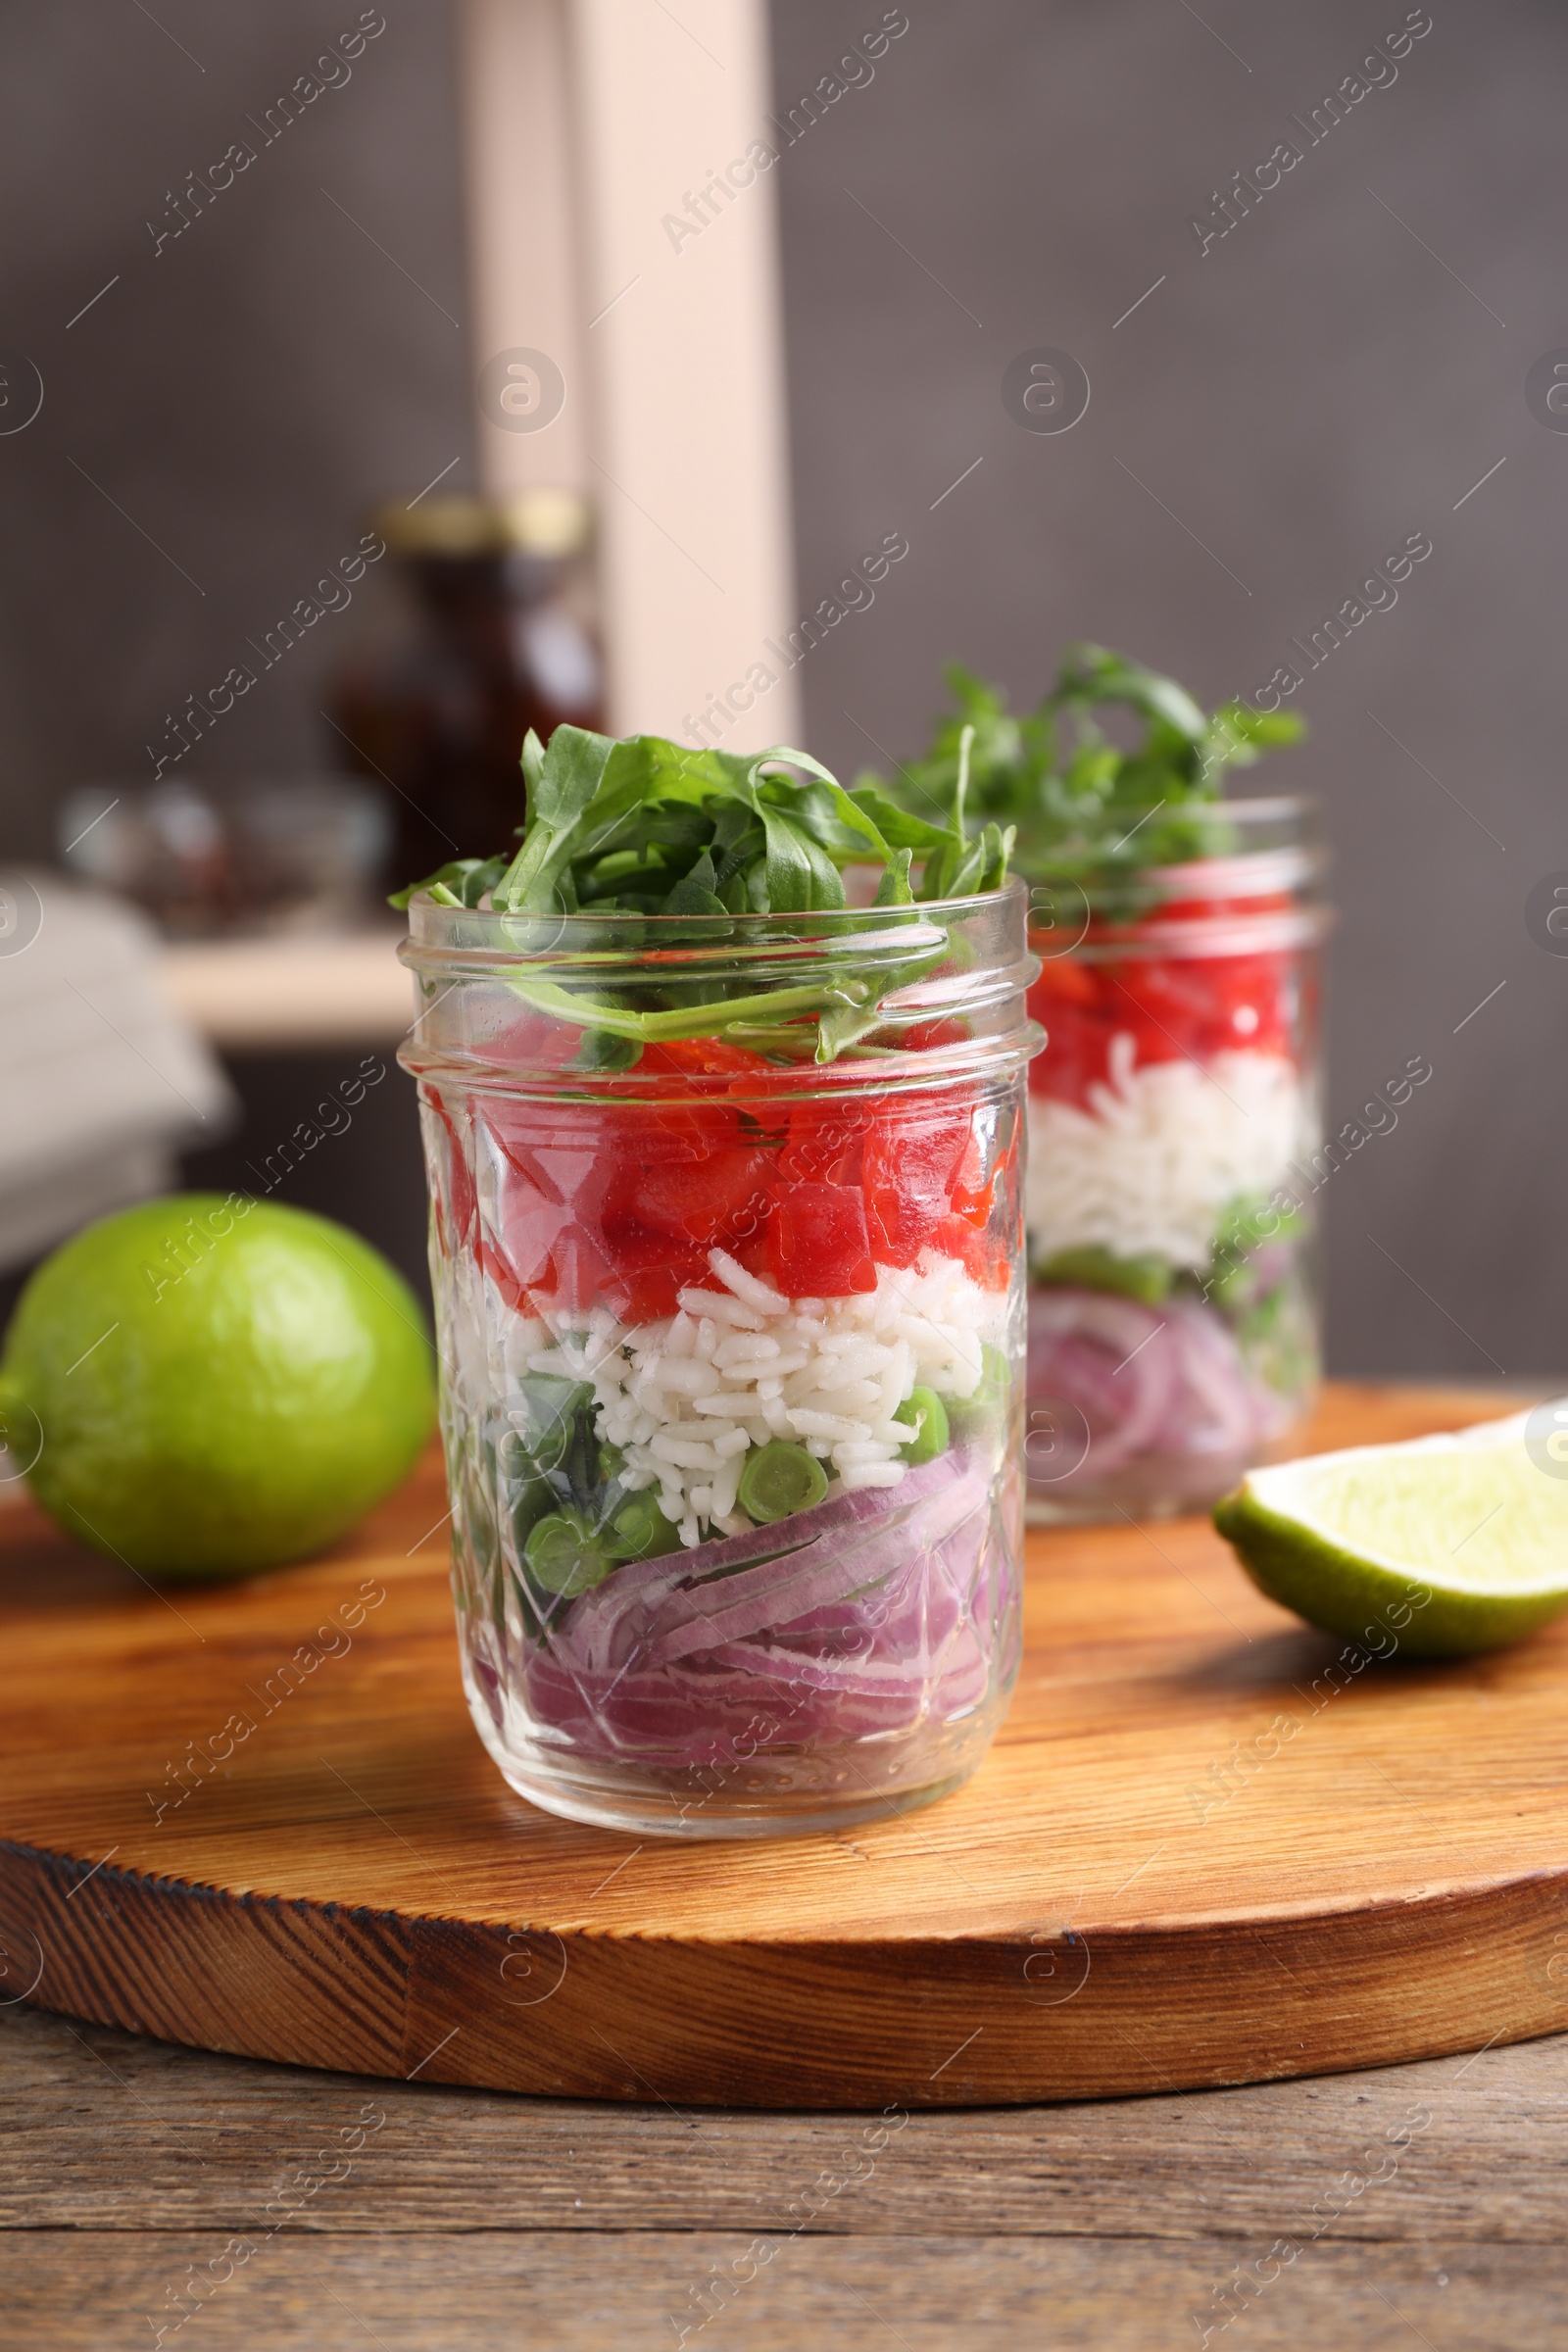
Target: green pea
981,1414
563,1556
923,1411
780,1479
1093,1268
639,1531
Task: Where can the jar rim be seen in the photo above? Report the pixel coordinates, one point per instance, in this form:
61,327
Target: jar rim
1289,823
931,1071
428,920
1225,899
918,966
1272,933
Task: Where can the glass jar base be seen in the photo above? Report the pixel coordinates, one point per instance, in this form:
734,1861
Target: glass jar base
1151,1486
1139,1499
645,1815
778,1795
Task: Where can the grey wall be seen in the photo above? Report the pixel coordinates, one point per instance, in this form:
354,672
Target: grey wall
242,393
1318,385
1300,398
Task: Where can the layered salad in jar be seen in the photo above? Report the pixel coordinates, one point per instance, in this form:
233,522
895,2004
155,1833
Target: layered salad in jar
1172,1322
721,1083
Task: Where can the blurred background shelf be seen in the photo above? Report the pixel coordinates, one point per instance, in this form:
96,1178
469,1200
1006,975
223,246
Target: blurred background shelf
306,1030
291,994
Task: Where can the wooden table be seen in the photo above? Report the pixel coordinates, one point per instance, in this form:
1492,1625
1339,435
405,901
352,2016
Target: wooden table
1422,2203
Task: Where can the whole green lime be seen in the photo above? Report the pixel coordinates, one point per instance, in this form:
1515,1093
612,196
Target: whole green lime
203,1385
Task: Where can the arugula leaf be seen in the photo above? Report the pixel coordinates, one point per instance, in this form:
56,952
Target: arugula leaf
695,892
953,870
561,786
845,1025
1059,790
864,839
463,882
802,879
995,844
641,827
603,1050
894,888
1090,674
899,827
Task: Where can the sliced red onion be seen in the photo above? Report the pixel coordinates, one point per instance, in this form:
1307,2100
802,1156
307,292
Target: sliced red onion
888,1682
1167,1382
913,1595
1225,1419
826,1572
646,1597
815,1577
1105,1354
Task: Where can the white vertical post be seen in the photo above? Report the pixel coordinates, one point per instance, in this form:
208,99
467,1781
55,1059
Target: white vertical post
524,240
640,250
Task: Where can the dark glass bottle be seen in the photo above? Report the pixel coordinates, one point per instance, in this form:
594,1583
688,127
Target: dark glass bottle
497,642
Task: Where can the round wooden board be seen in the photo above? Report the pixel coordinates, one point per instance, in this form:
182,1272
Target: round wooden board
1114,1904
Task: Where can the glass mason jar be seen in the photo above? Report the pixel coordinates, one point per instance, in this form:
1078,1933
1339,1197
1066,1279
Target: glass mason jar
1173,1117
731,1351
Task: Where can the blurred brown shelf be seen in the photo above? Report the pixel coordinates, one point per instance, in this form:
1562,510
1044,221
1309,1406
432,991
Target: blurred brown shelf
268,996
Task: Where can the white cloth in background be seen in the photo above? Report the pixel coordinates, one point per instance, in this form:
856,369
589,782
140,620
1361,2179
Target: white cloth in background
100,1079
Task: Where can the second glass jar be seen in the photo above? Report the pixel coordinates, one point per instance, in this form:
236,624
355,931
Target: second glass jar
1173,1123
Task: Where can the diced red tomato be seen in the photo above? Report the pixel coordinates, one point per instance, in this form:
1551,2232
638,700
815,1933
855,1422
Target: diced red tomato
826,1142
955,1237
1063,979
534,1227
911,1162
526,1039
819,1245
498,1267
929,1037
589,1203
580,1271
972,1190
455,1220
752,1252
1172,1007
711,1056
647,1271
701,1200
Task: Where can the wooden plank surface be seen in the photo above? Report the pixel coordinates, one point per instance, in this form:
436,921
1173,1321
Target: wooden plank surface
356,1887
930,2294
109,2130
477,2220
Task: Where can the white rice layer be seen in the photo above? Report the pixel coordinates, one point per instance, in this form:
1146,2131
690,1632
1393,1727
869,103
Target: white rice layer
687,1398
1149,1166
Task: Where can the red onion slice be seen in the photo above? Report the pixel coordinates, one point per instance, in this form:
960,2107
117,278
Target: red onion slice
1167,1381
1110,1357
913,1594
758,1598
649,1597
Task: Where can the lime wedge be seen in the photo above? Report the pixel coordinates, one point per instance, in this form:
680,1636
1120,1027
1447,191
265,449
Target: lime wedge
1437,1548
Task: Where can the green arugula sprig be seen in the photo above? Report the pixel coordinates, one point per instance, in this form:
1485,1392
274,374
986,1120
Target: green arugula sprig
642,827
1084,810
